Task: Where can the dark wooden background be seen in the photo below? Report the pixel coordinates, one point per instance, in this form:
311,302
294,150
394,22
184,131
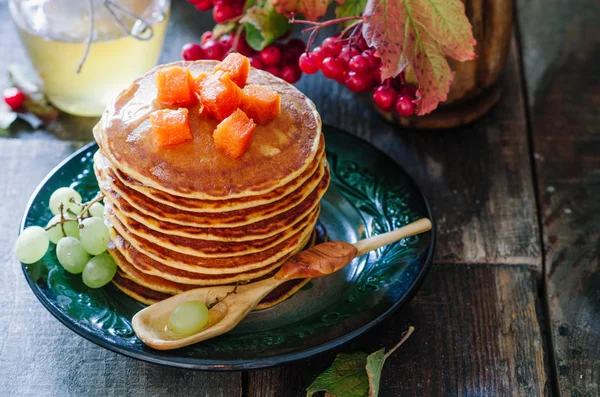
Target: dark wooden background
511,306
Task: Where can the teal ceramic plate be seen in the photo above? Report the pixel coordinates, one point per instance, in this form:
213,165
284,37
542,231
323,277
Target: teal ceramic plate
369,194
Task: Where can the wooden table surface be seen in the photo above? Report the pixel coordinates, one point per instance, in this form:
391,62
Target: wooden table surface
511,306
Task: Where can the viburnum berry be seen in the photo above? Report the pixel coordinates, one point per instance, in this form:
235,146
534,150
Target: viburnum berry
205,37
346,53
212,50
274,70
405,106
238,9
384,97
13,97
296,46
309,63
373,60
256,62
291,73
332,45
289,57
332,68
270,55
362,43
192,52
222,13
202,5
358,82
319,52
358,64
408,91
226,42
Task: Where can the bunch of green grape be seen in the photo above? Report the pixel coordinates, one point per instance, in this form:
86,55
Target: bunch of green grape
80,235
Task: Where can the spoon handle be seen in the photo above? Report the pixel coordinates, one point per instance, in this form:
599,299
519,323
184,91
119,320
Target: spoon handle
327,258
372,243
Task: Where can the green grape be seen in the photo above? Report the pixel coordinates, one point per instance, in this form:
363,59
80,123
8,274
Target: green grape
32,244
188,318
94,235
71,255
97,210
99,271
63,196
55,232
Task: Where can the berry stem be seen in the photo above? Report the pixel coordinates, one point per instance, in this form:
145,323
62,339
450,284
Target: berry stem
324,23
316,26
236,40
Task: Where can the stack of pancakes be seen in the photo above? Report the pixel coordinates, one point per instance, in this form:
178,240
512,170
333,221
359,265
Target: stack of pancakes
188,215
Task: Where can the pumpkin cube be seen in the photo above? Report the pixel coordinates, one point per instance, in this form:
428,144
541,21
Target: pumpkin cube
170,127
198,81
260,103
238,67
220,95
175,86
234,135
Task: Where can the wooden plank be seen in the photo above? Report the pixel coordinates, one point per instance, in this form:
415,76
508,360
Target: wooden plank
477,178
477,334
561,58
40,356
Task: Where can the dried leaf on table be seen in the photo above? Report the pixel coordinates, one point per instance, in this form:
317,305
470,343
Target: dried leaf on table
354,375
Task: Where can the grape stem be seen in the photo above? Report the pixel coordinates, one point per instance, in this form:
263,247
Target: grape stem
86,208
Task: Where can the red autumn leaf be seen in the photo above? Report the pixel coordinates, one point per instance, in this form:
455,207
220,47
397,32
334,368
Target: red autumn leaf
311,9
420,33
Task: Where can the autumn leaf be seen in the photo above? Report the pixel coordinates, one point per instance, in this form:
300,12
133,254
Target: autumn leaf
350,8
263,25
354,375
420,33
311,9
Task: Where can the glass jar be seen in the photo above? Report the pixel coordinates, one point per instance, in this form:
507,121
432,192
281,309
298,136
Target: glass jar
87,51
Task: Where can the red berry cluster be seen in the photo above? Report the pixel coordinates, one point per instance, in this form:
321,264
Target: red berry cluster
281,59
210,48
350,61
222,10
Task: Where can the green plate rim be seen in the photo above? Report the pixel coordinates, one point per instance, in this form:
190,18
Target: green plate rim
228,365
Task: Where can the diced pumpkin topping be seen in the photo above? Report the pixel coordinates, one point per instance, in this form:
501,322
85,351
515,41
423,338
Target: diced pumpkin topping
170,127
234,134
238,67
175,86
260,103
220,95
198,81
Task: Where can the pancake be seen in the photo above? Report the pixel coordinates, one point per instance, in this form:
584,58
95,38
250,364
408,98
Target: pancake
109,183
197,205
258,230
280,152
208,248
154,259
157,290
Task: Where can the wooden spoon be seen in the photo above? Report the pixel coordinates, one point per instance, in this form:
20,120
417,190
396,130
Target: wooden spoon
231,304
